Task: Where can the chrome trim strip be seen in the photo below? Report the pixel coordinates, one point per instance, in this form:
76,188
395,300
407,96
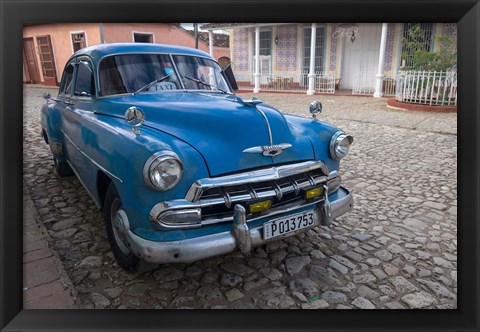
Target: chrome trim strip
268,125
93,161
190,250
84,186
261,175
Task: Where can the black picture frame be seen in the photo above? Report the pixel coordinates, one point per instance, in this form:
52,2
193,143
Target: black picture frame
16,13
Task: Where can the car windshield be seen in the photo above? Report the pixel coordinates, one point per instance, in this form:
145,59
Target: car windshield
138,73
200,73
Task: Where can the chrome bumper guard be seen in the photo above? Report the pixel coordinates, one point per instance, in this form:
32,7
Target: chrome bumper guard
241,237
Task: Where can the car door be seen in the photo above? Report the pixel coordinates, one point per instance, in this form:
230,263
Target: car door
78,124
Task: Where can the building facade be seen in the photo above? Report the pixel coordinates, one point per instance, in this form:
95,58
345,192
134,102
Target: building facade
323,57
47,47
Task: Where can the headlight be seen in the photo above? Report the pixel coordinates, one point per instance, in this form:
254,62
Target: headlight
163,170
340,144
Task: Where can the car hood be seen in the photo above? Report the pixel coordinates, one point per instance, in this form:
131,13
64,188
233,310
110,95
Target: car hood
219,127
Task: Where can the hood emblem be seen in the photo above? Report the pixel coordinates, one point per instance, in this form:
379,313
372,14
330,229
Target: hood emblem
269,150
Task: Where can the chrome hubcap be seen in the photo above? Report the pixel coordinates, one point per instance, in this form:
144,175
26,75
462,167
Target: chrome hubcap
116,218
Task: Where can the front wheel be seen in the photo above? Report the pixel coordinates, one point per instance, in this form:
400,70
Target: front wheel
112,212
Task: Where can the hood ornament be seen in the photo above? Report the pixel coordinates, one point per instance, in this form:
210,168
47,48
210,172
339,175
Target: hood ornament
135,116
269,150
251,102
315,108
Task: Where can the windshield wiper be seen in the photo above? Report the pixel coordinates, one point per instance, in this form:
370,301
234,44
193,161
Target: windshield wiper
152,83
205,83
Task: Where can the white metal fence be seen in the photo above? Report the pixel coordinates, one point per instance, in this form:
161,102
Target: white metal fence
287,81
426,87
364,84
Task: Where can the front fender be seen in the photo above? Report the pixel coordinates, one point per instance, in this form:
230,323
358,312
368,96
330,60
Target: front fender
115,147
320,134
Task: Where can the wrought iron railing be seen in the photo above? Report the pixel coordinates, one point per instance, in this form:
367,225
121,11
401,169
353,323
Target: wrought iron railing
427,87
364,84
287,81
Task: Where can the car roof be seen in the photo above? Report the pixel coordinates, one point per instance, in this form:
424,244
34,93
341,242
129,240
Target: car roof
97,52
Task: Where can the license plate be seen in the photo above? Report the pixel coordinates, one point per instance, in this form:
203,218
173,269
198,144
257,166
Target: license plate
289,224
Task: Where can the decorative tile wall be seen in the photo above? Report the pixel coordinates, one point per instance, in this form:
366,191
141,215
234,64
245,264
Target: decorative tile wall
333,49
450,29
389,47
240,49
286,50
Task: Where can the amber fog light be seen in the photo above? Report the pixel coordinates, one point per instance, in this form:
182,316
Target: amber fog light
259,206
313,193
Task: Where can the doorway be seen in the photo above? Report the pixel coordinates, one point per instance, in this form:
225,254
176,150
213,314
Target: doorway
47,60
360,58
30,63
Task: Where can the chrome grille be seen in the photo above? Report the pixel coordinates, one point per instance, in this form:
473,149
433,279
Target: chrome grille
218,202
215,198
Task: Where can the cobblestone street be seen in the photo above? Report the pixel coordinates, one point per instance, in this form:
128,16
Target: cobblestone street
397,248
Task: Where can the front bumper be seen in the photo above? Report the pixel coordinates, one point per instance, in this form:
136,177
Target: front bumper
241,237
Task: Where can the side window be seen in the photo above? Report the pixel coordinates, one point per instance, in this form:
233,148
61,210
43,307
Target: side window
67,80
85,84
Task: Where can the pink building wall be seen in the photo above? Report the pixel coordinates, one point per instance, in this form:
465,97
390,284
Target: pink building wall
61,40
60,35
162,34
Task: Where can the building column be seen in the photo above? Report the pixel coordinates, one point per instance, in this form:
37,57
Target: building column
210,50
257,60
381,59
311,73
210,42
102,36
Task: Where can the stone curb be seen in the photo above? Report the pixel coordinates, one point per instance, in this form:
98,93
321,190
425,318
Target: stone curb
394,104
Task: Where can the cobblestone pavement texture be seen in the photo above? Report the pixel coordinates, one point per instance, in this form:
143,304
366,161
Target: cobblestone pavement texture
396,249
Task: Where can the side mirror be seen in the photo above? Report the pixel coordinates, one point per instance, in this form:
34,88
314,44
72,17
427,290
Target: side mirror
135,116
315,108
47,96
228,75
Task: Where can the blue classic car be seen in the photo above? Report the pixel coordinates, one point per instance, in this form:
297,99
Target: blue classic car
181,167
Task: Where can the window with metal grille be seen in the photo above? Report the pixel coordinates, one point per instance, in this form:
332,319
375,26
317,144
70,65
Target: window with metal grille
265,42
423,41
265,52
320,47
78,41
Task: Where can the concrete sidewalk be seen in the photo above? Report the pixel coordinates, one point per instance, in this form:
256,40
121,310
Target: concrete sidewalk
44,279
